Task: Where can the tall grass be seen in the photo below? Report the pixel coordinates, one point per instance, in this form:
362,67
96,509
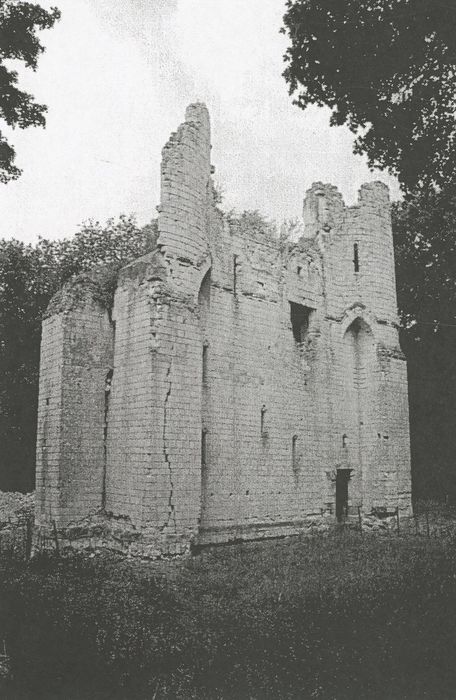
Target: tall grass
334,617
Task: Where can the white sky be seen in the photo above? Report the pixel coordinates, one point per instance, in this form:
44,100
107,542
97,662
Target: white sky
117,76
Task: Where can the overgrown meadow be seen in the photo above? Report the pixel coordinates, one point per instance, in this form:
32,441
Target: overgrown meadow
335,616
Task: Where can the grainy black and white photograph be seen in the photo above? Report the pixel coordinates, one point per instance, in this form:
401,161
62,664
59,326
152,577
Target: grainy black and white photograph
227,349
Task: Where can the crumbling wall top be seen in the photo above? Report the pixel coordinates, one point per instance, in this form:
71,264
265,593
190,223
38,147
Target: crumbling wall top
376,192
80,291
185,178
198,112
323,209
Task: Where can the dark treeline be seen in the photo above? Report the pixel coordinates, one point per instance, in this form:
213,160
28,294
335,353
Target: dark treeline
425,246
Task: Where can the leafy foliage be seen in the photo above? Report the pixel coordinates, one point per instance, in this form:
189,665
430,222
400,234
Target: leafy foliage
386,69
29,276
425,247
251,223
19,23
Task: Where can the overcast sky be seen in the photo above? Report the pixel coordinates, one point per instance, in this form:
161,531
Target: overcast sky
117,76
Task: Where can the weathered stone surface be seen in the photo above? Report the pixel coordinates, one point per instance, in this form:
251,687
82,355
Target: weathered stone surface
236,375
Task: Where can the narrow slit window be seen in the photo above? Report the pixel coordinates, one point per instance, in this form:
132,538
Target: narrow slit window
294,453
204,448
205,357
263,429
356,257
235,267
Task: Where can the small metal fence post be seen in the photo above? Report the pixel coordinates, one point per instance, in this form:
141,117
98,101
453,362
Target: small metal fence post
56,539
360,521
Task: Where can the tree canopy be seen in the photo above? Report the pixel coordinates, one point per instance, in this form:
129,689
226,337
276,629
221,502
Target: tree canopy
19,24
424,229
425,250
387,70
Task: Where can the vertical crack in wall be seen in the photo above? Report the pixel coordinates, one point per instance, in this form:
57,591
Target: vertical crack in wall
107,395
171,510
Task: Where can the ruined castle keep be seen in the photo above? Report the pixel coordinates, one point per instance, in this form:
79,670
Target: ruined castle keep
240,386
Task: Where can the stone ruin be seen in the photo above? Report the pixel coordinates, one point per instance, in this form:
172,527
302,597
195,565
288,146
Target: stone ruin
241,386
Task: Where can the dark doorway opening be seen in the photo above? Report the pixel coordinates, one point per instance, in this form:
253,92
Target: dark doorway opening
342,479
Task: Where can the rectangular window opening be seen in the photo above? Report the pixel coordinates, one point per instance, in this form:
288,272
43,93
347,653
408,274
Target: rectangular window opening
300,317
356,257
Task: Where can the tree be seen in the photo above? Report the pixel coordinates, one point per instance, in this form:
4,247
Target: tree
21,302
387,70
251,223
425,248
19,24
29,276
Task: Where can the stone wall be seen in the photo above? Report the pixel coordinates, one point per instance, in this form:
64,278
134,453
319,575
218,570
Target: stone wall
76,357
247,371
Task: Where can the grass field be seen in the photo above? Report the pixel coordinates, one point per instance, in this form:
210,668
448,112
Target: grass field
324,617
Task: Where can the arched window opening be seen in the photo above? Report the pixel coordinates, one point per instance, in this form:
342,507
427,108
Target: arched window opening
204,294
358,409
204,302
